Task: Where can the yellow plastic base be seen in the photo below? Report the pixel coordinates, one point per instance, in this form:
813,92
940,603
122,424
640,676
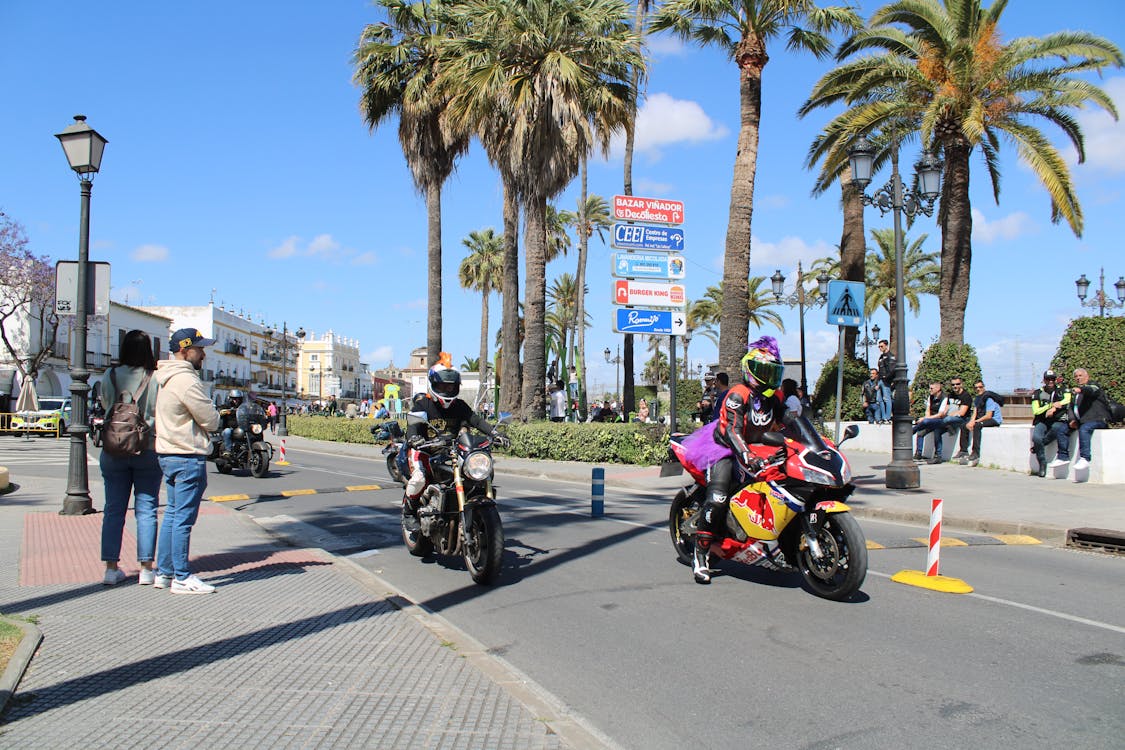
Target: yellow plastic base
280,463
944,584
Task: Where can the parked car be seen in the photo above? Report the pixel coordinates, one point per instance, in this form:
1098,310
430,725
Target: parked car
53,416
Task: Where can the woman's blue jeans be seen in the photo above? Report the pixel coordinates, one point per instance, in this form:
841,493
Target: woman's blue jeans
185,479
139,477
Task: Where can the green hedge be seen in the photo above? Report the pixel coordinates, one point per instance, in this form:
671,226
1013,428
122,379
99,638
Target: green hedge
824,393
643,444
1098,346
940,363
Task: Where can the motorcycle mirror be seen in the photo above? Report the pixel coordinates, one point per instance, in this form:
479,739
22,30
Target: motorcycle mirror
505,417
849,432
776,439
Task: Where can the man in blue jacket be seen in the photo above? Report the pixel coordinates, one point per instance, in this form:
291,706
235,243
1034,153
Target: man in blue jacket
986,413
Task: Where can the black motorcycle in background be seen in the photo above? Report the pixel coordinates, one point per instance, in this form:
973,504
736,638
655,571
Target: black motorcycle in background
249,447
394,451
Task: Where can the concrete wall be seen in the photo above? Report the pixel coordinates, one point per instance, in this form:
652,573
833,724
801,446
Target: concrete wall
1009,447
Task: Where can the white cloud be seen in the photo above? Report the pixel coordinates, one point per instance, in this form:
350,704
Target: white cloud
1008,227
785,253
286,249
150,254
1104,136
365,259
652,187
664,45
323,244
664,121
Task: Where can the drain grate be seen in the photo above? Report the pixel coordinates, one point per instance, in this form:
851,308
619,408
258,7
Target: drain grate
1101,539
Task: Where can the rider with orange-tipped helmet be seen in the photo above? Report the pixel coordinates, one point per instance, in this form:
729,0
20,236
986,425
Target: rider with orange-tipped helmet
749,410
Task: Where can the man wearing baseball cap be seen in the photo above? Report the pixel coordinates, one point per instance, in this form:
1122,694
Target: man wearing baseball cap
1048,419
185,419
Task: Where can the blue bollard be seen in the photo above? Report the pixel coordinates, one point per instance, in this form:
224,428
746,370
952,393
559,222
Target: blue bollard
597,492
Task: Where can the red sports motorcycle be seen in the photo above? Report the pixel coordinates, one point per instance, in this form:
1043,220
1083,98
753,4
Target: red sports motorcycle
789,516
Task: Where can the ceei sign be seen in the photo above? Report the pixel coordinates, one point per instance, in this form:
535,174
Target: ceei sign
649,293
655,210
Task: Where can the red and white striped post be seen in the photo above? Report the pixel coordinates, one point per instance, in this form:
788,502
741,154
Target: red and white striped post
283,462
933,557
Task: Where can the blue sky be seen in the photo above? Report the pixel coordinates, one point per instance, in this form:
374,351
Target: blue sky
238,161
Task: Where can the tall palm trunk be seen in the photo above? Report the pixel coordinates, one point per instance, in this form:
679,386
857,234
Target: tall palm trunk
433,243
853,246
510,310
580,313
535,306
733,332
482,369
956,243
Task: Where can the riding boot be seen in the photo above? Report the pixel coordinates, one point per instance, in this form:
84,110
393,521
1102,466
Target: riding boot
699,567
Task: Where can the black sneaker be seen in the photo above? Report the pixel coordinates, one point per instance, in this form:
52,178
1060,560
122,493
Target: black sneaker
960,454
918,456
935,460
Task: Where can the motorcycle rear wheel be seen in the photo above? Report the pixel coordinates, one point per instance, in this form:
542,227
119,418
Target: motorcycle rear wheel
259,463
96,438
416,543
392,468
840,571
485,549
684,506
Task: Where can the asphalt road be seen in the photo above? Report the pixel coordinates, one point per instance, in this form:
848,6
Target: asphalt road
600,613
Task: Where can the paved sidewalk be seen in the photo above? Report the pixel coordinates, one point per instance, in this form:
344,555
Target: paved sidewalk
297,649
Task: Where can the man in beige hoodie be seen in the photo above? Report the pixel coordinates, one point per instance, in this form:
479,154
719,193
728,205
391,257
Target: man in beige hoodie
185,418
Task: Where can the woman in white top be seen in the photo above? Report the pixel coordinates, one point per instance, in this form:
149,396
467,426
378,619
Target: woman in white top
139,475
792,402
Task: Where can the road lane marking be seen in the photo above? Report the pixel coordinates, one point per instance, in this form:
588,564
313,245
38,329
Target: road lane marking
1030,608
362,487
874,545
294,493
228,498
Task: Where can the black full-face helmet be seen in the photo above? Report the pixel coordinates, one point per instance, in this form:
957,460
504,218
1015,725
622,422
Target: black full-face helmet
445,384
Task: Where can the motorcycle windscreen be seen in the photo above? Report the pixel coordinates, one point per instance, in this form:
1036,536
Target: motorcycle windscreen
762,511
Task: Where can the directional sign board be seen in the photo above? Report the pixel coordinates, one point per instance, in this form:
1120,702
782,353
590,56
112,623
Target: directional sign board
652,322
652,293
648,266
845,303
655,210
645,237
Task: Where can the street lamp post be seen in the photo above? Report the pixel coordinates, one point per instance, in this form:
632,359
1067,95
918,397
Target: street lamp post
83,147
615,361
283,429
902,472
1100,301
868,341
801,300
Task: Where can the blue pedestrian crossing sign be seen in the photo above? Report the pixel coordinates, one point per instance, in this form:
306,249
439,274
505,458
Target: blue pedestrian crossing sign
845,303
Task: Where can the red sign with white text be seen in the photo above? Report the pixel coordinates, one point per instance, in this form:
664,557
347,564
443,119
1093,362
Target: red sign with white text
654,210
648,293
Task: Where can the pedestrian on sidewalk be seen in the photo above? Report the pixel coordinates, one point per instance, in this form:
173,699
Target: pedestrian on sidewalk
1049,406
933,421
957,413
137,476
872,400
986,413
1089,412
185,419
886,366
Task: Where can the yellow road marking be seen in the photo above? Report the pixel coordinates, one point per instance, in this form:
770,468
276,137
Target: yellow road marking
291,493
1016,539
228,498
362,487
874,545
946,541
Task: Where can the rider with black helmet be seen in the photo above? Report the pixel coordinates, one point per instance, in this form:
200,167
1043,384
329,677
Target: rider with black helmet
229,420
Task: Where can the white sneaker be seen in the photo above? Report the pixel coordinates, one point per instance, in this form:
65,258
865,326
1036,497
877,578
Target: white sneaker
113,576
1081,464
1056,463
161,581
147,577
192,585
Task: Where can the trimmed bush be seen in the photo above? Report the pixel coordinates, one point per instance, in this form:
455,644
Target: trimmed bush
824,394
940,363
333,429
1098,346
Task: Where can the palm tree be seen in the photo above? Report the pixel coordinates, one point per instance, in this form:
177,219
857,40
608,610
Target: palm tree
939,71
920,275
397,66
481,270
563,298
557,240
758,304
547,65
743,29
592,216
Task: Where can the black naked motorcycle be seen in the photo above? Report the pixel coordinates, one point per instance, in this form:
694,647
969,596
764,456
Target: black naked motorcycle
456,514
393,450
249,447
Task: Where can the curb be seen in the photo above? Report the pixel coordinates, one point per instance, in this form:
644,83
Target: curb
20,660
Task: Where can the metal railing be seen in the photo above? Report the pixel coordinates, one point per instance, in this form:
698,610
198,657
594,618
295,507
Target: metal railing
7,426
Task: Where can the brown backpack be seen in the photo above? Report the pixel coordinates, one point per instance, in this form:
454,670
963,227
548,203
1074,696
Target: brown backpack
125,432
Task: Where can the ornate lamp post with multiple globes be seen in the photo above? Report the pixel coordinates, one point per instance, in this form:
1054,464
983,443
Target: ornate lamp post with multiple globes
282,348
615,361
902,473
1100,301
84,147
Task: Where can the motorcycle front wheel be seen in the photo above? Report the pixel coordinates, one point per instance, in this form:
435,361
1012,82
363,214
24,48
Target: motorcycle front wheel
96,438
485,545
224,466
416,543
684,506
392,468
839,571
259,463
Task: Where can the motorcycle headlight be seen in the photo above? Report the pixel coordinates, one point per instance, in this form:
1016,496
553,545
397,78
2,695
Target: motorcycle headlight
256,429
816,476
478,466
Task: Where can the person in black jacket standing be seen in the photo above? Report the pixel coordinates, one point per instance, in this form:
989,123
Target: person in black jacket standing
886,365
